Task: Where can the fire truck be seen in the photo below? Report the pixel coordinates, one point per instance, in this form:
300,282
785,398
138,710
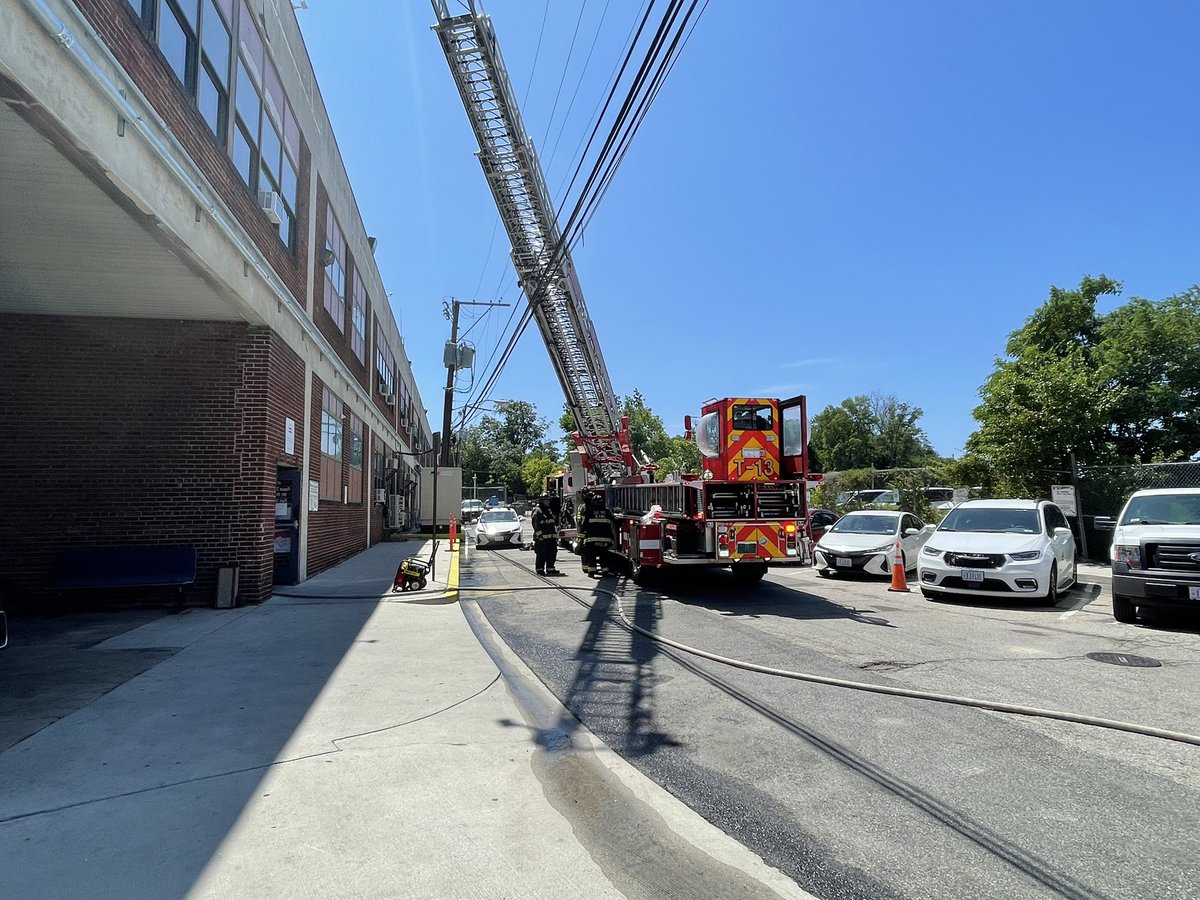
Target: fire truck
745,509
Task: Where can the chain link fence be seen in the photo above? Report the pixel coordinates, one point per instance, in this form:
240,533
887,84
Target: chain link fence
1103,490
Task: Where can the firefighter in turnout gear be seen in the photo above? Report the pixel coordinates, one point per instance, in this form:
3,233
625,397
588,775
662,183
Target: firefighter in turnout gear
545,537
596,534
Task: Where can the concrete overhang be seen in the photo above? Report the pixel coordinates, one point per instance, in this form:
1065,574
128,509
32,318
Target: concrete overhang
70,247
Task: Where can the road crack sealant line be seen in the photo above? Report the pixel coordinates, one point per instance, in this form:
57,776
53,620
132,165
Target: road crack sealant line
1015,709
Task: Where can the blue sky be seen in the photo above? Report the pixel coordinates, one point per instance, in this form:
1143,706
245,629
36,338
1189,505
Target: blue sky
827,198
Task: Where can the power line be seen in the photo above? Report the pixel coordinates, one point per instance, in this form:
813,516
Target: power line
659,59
563,77
537,51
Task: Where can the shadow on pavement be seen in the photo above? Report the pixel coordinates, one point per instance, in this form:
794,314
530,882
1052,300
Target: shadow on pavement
615,680
162,766
49,669
718,591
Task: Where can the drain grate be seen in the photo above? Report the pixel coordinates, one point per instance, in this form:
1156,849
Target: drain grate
1125,659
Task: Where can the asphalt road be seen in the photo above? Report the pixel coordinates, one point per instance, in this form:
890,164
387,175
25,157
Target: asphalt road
860,795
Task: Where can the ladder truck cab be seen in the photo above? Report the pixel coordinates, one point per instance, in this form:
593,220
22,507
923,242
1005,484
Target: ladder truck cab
745,509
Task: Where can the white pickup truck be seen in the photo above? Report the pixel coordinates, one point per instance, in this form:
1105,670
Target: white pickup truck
1155,551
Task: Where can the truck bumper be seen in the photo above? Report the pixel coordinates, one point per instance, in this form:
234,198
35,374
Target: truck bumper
1156,588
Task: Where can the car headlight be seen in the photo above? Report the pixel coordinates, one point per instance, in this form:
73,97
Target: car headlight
883,549
1130,554
932,551
1025,556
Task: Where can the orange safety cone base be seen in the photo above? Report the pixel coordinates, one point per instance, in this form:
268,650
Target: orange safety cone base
899,579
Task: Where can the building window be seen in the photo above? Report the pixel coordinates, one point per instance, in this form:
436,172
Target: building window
212,93
238,92
335,273
331,446
385,364
354,489
177,28
378,472
358,319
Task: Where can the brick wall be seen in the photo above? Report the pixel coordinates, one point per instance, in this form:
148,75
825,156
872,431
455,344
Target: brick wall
336,530
128,432
115,23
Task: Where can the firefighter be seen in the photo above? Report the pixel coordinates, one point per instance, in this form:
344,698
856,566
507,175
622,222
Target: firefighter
596,534
545,537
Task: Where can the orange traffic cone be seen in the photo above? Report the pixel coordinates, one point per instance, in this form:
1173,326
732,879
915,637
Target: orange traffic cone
899,581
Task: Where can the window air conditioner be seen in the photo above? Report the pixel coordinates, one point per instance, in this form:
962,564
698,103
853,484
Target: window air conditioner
272,206
393,462
380,495
389,399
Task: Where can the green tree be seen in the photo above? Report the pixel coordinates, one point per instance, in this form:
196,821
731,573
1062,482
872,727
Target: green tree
536,469
495,449
647,436
1117,387
870,431
682,458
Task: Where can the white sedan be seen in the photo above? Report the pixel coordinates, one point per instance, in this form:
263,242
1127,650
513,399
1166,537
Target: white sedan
498,527
1000,548
865,541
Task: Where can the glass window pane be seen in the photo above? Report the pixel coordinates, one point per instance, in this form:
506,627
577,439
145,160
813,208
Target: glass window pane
270,149
287,227
248,105
243,154
212,104
273,92
287,183
190,13
291,131
214,37
173,40
251,43
226,8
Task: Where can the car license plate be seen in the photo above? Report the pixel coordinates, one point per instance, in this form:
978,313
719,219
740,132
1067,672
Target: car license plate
972,576
1194,593
844,562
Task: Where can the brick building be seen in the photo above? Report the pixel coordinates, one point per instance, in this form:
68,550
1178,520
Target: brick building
195,343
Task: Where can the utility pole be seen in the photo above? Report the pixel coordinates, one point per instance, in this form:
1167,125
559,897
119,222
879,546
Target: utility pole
452,360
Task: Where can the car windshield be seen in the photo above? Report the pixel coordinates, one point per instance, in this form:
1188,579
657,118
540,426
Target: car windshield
473,504
865,523
939,495
1163,509
499,515
998,519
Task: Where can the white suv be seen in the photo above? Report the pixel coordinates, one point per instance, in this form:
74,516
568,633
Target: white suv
1001,549
1155,551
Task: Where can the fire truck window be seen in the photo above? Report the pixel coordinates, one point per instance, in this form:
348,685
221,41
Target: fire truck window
753,418
708,435
793,432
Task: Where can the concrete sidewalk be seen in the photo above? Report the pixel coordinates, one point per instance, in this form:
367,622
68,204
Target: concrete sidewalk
342,742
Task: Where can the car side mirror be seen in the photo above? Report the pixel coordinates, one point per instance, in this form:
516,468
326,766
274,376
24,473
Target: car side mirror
909,532
1104,523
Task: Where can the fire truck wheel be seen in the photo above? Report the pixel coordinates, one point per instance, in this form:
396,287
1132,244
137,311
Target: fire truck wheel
749,573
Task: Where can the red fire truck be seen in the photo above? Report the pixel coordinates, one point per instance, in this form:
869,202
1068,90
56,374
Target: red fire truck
745,509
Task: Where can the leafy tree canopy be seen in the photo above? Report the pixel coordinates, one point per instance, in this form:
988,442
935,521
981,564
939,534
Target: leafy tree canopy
1117,387
496,448
870,431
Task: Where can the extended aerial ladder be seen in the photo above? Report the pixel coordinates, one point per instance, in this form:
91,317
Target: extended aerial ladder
540,256
745,508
